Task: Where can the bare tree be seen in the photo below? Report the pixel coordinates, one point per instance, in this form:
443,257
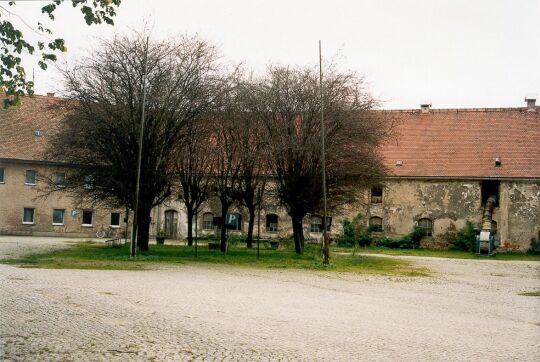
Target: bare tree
252,155
288,104
100,137
226,170
194,166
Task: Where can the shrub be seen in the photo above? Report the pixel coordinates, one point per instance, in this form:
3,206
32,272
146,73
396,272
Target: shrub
347,236
535,247
409,241
465,238
365,239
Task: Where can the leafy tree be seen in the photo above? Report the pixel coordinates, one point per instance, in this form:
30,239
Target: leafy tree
288,104
13,80
101,135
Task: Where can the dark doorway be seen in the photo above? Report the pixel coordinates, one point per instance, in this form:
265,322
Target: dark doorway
171,224
490,187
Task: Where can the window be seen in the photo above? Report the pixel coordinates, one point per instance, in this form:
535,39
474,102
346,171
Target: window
30,178
58,217
427,226
375,224
316,224
89,182
208,221
115,219
271,223
2,172
60,179
28,215
376,194
87,217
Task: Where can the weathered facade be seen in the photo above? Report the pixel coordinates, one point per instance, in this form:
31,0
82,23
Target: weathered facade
443,166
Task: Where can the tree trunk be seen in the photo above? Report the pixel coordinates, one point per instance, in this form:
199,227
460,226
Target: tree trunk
298,233
249,240
224,209
143,228
190,214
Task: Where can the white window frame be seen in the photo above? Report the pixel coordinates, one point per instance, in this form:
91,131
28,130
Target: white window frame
33,216
119,220
63,217
91,216
212,221
3,180
26,178
56,179
312,225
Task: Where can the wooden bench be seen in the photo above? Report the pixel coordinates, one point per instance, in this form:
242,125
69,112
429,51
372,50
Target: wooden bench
115,242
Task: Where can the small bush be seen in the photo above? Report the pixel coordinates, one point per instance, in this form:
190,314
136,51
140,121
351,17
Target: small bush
535,247
365,239
409,241
465,238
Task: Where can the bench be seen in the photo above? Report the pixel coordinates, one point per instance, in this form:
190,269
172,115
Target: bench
115,242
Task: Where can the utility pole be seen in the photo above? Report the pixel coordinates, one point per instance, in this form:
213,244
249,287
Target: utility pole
141,133
325,246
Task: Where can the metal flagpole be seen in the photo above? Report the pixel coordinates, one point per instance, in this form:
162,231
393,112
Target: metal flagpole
134,231
326,249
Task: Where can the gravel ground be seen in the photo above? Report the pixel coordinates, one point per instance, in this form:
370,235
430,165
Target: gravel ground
469,310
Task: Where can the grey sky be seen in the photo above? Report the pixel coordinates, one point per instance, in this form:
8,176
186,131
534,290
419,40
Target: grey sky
456,53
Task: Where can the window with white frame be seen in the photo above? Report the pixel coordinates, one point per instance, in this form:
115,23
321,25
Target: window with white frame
28,215
2,175
87,218
58,217
208,221
30,177
60,179
427,226
316,224
115,219
271,222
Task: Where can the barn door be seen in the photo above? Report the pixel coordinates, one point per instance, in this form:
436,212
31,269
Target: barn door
171,224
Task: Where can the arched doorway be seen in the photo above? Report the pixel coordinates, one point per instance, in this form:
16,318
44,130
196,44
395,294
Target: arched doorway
171,224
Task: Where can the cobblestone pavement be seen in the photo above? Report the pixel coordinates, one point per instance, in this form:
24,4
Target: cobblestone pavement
470,310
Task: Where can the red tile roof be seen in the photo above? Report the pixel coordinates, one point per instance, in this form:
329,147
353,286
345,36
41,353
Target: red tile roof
440,143
18,125
465,143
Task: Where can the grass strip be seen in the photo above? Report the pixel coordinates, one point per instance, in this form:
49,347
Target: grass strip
90,255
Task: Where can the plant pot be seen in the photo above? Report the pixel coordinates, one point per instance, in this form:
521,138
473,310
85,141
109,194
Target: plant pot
160,239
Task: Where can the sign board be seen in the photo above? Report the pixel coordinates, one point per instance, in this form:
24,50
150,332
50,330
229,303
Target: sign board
73,213
232,219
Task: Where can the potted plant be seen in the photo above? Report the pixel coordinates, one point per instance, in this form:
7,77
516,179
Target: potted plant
160,237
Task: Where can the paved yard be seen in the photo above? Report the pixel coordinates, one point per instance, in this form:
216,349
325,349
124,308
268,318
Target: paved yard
470,310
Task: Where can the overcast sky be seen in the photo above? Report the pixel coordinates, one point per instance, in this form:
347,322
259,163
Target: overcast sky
455,53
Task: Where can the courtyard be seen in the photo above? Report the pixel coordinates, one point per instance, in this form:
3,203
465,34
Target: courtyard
465,310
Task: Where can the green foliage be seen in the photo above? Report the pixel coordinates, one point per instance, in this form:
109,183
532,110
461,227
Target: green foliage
354,233
13,80
409,241
99,256
465,238
535,247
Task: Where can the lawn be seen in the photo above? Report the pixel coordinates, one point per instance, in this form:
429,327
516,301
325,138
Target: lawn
98,256
441,253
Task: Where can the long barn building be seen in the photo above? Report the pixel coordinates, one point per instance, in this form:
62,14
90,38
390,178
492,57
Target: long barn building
444,164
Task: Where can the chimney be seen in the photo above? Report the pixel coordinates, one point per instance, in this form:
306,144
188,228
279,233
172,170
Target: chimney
530,98
50,94
425,106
